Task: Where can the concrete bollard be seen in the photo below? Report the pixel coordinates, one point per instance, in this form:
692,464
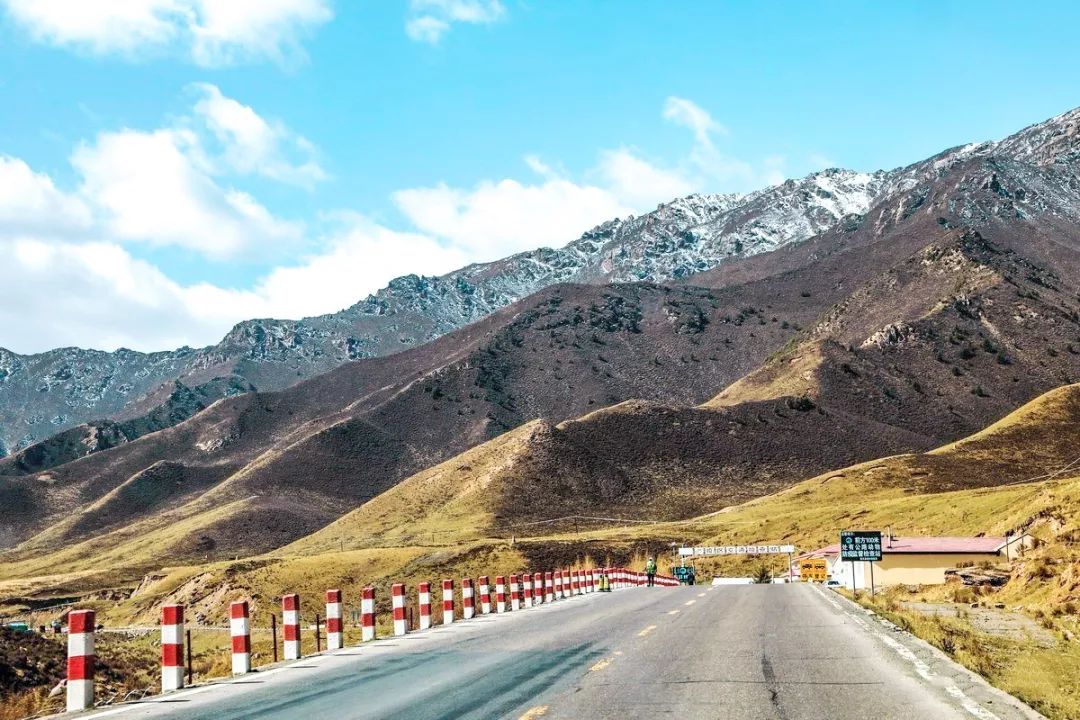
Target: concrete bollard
423,595
468,601
172,647
538,588
335,640
558,584
500,594
397,598
549,586
526,590
447,601
290,625
241,637
515,593
485,595
80,660
367,614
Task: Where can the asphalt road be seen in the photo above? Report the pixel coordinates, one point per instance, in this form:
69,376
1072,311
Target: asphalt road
790,652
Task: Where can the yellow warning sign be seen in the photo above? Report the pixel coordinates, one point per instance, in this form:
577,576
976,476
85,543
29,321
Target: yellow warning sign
813,570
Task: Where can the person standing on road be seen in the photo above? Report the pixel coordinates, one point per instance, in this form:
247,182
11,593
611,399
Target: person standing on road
650,570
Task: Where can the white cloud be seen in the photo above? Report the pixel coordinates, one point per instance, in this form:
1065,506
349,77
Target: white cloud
96,294
73,277
494,219
691,115
429,20
359,258
151,187
214,32
31,204
252,144
639,183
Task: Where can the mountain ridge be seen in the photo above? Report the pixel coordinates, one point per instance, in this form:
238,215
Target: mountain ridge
69,386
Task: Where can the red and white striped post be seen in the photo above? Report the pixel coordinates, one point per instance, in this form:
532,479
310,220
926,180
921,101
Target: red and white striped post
447,601
590,580
80,660
290,625
485,595
367,614
500,594
397,597
549,586
335,640
526,590
423,596
538,588
566,583
575,582
172,647
515,593
241,637
468,601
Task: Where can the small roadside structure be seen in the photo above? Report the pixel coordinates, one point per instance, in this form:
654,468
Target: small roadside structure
917,560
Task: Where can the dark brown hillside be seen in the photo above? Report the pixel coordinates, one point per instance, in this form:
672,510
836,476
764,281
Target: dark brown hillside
344,437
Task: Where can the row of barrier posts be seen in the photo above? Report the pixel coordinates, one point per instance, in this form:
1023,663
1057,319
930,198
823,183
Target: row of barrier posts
525,591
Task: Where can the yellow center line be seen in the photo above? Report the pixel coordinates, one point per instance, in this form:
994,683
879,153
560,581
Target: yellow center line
673,612
600,665
646,631
535,712
701,594
691,602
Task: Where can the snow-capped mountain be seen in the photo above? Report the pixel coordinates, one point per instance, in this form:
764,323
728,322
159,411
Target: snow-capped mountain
1034,172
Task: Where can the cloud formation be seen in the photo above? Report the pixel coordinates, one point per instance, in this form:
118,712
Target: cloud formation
252,144
75,274
210,32
429,20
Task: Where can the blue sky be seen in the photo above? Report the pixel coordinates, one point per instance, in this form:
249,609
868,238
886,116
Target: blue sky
170,167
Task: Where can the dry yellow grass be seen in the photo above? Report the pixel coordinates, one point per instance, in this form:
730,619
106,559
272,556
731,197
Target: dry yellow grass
449,503
793,373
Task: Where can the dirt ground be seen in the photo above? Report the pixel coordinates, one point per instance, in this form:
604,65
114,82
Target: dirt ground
993,621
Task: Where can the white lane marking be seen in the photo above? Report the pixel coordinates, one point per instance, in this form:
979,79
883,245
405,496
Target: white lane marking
921,667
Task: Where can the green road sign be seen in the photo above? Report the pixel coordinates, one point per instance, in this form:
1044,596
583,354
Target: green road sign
860,545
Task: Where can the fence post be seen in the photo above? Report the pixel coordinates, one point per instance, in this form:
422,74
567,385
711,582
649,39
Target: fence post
273,634
172,647
468,603
485,595
448,601
290,625
423,596
334,637
241,637
367,614
187,647
397,597
80,660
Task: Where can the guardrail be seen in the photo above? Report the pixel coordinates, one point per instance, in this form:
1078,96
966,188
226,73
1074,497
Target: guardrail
526,591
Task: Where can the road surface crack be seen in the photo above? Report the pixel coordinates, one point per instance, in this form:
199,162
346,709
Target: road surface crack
773,687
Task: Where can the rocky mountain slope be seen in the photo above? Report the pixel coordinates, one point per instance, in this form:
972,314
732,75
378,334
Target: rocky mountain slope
951,301
44,394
